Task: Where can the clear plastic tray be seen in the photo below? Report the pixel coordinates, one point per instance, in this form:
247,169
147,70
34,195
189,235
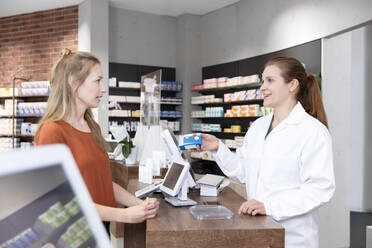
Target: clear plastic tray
205,212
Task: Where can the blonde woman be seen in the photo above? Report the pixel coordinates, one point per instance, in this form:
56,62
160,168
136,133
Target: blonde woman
76,87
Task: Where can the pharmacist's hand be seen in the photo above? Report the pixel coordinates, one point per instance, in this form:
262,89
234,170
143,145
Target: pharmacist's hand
252,207
209,142
146,210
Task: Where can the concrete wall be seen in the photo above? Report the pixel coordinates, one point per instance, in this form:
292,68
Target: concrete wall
188,56
361,120
94,37
250,28
334,218
143,39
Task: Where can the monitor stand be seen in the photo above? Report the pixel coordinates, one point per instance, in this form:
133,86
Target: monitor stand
181,199
174,201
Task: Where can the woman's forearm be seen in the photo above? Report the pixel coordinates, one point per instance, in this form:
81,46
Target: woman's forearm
123,197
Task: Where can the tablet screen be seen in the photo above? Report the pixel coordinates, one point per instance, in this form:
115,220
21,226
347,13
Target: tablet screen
173,175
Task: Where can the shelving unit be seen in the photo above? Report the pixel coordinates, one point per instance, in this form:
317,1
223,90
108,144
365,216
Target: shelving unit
207,165
133,73
227,121
30,118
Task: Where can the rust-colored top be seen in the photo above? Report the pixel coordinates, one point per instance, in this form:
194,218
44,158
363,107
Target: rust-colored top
93,163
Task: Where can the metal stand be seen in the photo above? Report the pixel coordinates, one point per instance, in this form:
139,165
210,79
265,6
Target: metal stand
13,100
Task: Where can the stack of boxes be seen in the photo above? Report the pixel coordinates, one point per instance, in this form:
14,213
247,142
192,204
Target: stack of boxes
171,86
243,95
7,109
77,234
175,126
233,129
171,114
6,126
243,111
25,239
31,108
35,88
226,82
205,155
9,92
170,100
235,143
6,144
130,126
205,127
205,99
134,85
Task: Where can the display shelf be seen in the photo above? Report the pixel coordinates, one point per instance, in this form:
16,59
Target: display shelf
18,135
240,86
168,117
162,103
169,103
139,89
18,97
123,117
14,117
242,133
20,116
125,88
227,103
243,117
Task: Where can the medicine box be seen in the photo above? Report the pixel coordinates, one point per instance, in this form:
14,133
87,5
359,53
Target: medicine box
190,141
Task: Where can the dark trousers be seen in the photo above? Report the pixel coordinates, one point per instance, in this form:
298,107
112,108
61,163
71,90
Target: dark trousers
106,224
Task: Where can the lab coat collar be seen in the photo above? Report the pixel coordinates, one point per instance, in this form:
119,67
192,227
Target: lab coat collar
295,117
297,114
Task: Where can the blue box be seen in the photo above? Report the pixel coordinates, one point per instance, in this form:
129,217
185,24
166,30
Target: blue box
190,141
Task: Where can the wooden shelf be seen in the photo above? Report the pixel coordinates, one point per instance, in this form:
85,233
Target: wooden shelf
240,86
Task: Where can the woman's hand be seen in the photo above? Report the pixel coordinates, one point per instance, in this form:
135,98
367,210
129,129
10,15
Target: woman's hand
209,142
252,207
147,209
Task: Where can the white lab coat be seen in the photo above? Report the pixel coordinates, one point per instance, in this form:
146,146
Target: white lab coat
291,172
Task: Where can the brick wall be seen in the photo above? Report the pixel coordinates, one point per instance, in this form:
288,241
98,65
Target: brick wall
30,43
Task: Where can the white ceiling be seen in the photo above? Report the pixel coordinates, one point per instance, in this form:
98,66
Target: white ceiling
160,7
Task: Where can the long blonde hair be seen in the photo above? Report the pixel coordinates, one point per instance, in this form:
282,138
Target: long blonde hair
67,74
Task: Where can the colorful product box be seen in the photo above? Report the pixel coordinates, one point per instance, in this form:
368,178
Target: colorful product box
190,141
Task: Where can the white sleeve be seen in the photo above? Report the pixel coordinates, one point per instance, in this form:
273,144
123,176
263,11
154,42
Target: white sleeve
232,164
317,181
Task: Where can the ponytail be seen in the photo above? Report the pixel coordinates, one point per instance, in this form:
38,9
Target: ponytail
311,100
309,93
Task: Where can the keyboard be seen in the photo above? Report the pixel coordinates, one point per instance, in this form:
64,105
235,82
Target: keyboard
144,192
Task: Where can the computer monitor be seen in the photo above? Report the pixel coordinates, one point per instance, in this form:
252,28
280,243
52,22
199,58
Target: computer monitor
175,177
44,201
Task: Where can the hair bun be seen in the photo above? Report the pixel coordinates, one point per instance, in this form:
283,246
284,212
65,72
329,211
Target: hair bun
65,52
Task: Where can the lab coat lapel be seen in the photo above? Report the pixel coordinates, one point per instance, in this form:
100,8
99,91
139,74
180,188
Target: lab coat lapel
295,117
